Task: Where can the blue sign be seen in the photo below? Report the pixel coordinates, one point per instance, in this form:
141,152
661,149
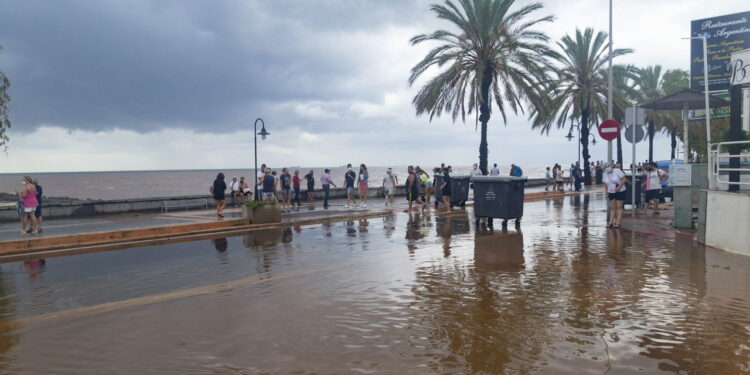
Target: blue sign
724,35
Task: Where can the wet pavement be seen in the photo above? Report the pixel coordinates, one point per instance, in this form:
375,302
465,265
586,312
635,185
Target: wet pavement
399,294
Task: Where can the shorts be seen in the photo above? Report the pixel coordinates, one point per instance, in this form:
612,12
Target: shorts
269,197
653,194
388,191
286,191
349,190
412,197
29,209
247,192
362,186
620,196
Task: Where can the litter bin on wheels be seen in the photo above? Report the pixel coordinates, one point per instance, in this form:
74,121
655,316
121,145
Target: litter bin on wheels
460,190
629,193
498,197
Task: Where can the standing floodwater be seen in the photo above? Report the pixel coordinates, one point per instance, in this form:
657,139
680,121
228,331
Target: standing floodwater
400,294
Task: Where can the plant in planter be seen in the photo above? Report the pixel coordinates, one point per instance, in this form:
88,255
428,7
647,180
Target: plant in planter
259,212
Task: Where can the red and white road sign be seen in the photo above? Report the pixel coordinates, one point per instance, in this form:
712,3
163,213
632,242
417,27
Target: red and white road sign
609,130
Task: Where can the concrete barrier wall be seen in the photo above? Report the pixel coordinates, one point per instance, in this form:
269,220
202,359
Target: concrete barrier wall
120,206
727,218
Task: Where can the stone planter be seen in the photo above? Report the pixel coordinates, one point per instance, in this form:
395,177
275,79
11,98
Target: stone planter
270,213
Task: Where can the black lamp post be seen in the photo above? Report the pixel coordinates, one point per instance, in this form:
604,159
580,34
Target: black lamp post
570,138
263,133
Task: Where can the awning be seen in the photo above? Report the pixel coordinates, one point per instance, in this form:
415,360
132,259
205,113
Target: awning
685,99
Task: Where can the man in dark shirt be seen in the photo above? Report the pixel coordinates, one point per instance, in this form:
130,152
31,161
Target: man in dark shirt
350,176
310,185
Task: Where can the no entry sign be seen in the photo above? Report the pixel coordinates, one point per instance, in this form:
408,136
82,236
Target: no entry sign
609,130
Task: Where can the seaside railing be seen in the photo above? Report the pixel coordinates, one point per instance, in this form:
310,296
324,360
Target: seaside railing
719,159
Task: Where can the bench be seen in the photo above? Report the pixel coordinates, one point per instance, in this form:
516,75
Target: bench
185,203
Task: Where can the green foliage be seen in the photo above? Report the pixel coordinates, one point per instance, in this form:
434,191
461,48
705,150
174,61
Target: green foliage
4,120
494,54
258,204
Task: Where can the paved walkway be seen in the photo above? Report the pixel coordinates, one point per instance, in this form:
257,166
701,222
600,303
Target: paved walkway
81,225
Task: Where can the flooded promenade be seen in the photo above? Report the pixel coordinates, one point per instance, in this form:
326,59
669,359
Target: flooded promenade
399,294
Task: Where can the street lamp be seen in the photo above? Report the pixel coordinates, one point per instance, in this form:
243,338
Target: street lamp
570,138
263,133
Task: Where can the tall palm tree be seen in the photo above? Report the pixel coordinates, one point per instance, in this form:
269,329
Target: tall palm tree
4,99
494,55
649,85
622,82
674,80
580,87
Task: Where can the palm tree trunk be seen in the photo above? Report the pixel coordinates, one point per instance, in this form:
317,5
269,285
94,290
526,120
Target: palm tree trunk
674,143
650,141
619,149
484,117
585,146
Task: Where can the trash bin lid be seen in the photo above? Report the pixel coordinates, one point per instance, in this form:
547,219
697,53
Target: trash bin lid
498,178
461,177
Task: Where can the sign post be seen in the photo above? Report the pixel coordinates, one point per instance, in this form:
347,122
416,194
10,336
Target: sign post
635,118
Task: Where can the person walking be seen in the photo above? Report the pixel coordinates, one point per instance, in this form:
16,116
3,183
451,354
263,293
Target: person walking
548,180
326,182
310,178
559,178
38,211
426,184
446,189
218,190
27,196
614,180
363,179
234,188
495,170
295,186
285,184
577,176
389,186
349,178
412,187
652,185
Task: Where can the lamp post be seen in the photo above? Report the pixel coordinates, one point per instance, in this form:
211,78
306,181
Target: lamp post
570,138
263,133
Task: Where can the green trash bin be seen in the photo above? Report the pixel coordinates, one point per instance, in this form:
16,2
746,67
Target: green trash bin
497,197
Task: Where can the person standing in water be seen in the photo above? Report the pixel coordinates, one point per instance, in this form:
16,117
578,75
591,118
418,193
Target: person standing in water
268,183
446,189
326,181
310,178
389,186
363,178
27,196
349,178
218,191
285,182
412,187
295,186
38,212
614,180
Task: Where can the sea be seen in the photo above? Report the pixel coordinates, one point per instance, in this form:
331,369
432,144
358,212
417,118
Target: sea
170,183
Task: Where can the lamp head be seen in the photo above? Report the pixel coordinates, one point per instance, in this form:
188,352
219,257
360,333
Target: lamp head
263,133
569,136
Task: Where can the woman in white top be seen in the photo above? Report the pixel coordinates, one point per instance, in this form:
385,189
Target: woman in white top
652,185
614,180
389,186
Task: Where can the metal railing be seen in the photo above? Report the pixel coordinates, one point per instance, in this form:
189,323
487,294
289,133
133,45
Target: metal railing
718,164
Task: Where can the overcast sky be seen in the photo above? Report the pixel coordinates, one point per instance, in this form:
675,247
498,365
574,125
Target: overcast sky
177,84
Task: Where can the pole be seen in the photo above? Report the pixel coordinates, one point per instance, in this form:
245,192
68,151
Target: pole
579,145
255,137
685,133
632,168
746,110
705,86
735,128
609,88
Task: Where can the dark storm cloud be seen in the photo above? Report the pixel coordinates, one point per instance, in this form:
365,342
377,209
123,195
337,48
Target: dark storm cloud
192,64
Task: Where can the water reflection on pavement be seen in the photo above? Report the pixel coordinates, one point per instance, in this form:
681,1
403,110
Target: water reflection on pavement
405,293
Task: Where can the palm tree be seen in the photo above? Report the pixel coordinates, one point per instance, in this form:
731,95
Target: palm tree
580,87
674,80
649,85
495,55
4,99
622,82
